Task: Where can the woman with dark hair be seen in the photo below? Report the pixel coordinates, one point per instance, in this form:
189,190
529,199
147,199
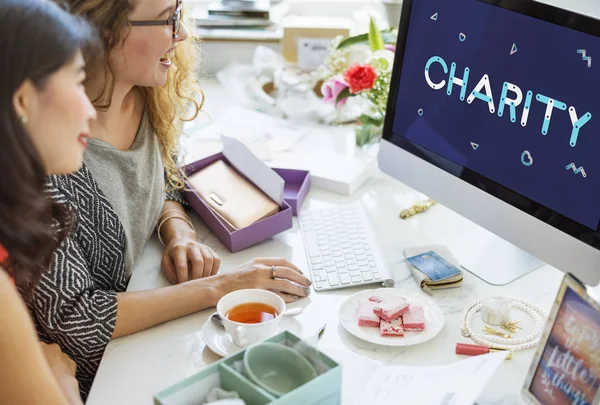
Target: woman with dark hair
44,121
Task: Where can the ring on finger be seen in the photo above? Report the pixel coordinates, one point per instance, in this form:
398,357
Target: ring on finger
273,272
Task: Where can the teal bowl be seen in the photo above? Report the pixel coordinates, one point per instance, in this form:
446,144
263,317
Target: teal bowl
277,368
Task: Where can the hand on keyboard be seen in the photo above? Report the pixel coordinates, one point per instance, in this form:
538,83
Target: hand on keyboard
289,282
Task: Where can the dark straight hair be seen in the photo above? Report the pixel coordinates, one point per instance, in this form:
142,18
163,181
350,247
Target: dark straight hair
37,38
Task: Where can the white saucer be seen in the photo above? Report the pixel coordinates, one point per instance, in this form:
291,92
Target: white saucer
434,318
220,342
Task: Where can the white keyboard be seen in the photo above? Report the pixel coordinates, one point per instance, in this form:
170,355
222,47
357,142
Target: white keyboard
341,248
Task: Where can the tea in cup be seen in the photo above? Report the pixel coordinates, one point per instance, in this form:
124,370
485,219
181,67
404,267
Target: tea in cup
250,316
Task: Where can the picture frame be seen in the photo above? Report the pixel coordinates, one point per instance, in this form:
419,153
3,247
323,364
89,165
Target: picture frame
566,366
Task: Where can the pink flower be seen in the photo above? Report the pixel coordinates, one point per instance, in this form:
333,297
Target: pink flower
332,88
390,47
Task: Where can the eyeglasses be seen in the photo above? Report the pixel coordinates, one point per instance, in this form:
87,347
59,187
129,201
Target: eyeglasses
174,20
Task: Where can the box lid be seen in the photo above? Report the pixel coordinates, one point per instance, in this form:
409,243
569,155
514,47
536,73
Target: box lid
245,162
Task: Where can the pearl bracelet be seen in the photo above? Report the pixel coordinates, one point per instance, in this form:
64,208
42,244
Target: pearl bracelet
538,314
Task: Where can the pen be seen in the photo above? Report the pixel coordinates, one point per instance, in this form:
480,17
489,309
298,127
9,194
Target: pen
475,350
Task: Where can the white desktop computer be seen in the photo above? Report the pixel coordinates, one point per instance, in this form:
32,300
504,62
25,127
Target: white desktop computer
494,112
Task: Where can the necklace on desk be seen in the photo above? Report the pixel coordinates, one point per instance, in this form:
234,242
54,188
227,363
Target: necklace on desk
538,314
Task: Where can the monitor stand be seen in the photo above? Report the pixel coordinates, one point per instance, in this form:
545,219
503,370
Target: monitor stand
491,258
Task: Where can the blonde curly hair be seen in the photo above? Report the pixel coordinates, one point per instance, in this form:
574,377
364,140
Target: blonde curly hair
168,106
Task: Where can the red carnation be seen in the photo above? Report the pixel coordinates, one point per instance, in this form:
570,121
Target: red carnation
360,77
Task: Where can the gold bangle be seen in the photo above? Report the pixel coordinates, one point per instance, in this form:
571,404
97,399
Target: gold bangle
173,210
185,219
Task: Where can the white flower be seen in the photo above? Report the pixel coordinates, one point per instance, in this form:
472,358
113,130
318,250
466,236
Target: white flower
358,54
386,55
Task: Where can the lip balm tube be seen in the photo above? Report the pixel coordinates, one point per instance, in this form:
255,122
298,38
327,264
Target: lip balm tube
476,350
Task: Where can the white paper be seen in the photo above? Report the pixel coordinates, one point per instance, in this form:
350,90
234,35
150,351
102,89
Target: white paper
459,383
312,52
356,371
252,128
250,166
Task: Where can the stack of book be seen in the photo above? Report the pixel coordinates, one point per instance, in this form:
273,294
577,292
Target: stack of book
235,13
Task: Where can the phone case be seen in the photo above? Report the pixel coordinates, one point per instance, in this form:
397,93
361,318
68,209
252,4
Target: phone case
426,283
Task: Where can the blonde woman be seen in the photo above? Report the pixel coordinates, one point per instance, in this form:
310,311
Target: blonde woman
142,92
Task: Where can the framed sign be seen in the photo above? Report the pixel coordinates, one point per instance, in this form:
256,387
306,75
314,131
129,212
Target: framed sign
566,366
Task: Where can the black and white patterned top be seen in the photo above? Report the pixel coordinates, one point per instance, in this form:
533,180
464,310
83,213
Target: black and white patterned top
75,302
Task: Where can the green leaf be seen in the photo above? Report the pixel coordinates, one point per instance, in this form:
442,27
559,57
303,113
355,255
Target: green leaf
375,39
368,120
388,36
344,94
368,134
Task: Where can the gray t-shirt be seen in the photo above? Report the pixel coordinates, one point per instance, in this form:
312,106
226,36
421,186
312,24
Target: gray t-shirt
133,182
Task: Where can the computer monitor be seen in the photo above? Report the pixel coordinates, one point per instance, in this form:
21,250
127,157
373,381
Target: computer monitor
494,111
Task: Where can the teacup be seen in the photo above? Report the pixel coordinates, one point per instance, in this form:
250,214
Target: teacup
277,368
245,334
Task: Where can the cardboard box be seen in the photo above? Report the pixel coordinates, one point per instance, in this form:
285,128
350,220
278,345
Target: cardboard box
306,38
326,389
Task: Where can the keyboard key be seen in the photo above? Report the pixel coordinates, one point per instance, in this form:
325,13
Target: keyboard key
316,259
355,273
352,267
318,266
319,285
361,263
329,263
312,246
357,279
372,264
365,269
344,278
377,276
333,279
331,269
342,270
367,276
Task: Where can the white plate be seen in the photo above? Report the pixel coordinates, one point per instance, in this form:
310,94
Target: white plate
220,342
434,318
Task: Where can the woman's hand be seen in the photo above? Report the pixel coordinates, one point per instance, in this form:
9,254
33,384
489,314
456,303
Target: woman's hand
187,259
64,370
289,283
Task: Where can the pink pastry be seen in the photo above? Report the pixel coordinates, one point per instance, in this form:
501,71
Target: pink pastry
414,319
393,328
366,316
376,298
391,308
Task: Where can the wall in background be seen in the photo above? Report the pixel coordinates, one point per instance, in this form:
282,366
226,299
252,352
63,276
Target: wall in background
588,7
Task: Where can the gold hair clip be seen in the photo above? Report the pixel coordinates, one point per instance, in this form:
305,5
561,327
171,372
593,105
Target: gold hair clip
490,331
511,326
417,208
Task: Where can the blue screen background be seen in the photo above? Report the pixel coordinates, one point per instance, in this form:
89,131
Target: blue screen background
546,63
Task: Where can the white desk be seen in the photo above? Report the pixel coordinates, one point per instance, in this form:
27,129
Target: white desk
137,366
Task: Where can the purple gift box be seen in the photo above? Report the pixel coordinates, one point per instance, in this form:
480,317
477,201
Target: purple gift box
297,184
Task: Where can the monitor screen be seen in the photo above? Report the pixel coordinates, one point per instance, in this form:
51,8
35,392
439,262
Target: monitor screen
505,96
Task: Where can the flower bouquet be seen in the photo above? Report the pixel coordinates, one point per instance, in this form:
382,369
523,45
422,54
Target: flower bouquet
361,67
